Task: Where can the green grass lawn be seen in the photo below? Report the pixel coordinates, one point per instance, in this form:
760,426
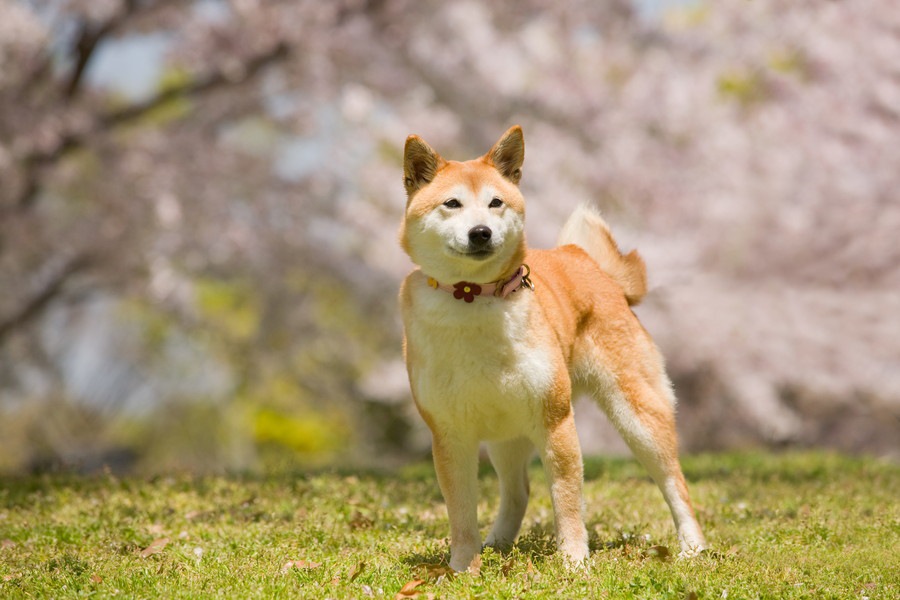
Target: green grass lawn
782,526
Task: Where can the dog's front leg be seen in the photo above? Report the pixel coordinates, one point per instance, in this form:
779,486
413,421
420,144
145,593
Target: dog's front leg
510,459
561,455
456,464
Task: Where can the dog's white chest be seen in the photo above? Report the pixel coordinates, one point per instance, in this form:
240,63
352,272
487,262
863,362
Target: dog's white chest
478,367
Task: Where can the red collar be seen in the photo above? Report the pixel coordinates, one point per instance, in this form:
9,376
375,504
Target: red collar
466,290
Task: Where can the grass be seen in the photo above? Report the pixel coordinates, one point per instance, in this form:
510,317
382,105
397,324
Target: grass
783,526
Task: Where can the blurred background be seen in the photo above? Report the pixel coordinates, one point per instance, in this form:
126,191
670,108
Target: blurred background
199,203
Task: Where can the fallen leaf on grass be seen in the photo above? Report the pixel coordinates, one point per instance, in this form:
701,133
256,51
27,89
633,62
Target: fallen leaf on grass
409,590
360,521
530,573
357,570
7,544
155,547
96,579
475,566
9,577
658,552
410,587
434,571
299,564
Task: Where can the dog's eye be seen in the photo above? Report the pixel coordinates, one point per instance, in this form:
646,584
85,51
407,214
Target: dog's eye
452,203
495,203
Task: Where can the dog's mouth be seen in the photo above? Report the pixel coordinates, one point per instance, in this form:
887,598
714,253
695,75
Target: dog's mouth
480,254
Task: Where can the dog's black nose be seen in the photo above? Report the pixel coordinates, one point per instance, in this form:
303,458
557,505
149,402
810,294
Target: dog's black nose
479,235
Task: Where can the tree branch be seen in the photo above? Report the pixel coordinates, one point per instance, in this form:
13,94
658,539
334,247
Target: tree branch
74,140
191,89
89,38
51,284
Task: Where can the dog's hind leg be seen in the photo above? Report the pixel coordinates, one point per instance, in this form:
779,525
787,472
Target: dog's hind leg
510,459
561,455
644,414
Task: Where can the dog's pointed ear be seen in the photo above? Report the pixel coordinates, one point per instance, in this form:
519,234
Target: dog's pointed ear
508,154
420,164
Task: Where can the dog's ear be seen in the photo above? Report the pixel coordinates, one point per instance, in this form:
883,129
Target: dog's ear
508,154
420,164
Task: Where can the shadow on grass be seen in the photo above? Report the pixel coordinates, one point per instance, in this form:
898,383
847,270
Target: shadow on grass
537,544
431,559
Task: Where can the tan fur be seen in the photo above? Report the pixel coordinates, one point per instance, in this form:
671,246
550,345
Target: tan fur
503,370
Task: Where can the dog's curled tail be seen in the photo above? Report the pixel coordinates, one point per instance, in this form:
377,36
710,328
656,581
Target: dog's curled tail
587,229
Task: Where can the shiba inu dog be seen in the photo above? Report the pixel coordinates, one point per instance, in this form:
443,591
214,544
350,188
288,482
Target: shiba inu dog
498,338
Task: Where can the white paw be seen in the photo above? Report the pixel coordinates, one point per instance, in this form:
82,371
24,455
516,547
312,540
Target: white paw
691,551
575,554
463,559
499,541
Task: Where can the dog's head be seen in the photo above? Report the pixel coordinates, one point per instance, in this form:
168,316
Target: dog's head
465,221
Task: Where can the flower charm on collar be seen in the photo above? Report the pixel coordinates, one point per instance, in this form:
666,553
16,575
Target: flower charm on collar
466,291
502,288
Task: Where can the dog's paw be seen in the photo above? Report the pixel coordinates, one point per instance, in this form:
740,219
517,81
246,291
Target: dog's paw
468,559
499,544
575,555
693,551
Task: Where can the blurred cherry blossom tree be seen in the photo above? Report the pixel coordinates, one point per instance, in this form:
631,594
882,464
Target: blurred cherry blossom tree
239,221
